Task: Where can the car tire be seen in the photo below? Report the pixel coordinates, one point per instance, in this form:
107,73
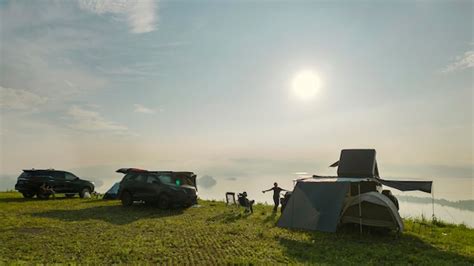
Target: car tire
84,191
41,195
163,202
70,195
28,195
127,199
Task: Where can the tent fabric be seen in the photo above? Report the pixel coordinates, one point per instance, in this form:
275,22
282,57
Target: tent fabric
327,179
112,193
424,186
357,163
315,206
377,210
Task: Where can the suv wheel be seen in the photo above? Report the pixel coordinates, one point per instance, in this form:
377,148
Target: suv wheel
126,199
70,195
41,195
85,192
28,195
163,202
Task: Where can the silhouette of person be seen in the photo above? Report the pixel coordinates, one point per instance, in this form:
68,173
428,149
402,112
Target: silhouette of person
276,195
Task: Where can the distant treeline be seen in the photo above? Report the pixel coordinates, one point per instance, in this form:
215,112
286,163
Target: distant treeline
467,205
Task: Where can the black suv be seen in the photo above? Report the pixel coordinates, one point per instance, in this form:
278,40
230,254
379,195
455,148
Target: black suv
33,182
165,188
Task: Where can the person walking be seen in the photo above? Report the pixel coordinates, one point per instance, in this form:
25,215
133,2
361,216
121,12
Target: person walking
276,195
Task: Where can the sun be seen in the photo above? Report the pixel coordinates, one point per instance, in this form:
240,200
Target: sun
306,84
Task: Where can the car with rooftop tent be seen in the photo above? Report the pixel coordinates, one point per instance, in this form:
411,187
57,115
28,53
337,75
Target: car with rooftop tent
164,188
31,182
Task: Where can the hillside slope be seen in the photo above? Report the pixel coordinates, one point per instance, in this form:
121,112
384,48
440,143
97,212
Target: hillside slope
98,231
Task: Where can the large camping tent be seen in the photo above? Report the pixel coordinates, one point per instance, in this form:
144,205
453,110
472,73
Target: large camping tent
112,193
314,206
322,203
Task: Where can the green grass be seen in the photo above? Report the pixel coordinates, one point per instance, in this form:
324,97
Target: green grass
103,232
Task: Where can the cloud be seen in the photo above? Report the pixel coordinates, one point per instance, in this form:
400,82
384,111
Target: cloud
462,62
206,182
140,14
17,99
144,110
92,121
41,58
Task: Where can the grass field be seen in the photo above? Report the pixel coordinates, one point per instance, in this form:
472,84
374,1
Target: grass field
103,232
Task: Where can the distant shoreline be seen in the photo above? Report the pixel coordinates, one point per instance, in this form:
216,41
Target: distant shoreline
467,205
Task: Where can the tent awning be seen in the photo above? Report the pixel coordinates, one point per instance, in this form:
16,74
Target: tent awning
424,186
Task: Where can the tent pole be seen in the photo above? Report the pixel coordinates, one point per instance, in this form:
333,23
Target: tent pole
360,211
432,204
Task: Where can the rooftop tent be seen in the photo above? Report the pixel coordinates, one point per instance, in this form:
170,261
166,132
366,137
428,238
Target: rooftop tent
357,163
112,193
315,205
362,163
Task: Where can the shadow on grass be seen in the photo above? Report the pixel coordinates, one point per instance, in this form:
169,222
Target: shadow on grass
111,214
368,248
11,200
229,217
271,218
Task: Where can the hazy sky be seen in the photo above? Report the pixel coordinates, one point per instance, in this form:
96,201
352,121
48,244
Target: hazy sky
207,86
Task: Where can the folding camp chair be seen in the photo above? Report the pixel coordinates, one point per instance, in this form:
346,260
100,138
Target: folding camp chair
230,198
246,203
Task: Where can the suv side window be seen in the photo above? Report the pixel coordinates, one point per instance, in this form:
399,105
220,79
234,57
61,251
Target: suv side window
153,179
140,178
57,175
135,177
129,176
165,178
69,176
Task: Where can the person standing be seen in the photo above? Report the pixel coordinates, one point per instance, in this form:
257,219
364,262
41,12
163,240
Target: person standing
276,195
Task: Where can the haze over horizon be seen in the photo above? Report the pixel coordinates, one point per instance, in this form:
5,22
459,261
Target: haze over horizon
237,90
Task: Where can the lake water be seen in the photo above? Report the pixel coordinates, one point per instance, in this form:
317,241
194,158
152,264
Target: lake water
443,213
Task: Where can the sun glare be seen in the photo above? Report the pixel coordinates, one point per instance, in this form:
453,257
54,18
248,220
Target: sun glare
306,84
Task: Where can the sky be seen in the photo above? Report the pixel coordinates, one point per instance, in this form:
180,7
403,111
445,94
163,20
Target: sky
209,86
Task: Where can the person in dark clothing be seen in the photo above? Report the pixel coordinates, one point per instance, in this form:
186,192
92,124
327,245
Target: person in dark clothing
276,194
245,202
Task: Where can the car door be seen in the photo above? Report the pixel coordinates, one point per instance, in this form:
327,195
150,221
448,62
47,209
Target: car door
135,183
70,183
127,183
59,183
154,187
140,186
